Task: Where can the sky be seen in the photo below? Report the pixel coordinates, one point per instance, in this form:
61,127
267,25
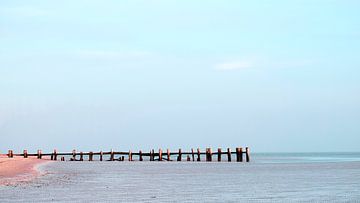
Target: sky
277,76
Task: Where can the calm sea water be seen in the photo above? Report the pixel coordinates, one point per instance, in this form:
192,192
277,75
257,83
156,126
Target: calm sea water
282,177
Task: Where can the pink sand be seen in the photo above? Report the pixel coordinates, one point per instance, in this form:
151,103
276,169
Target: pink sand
18,169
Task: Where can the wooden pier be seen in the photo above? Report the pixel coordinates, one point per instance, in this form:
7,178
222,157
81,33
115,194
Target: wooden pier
152,155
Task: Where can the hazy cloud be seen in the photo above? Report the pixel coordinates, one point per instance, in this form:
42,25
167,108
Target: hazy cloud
234,65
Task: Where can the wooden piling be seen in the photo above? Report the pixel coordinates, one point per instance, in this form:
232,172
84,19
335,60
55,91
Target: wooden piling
62,158
229,154
237,154
140,156
150,156
10,153
39,155
160,154
81,156
168,154
179,155
55,155
188,158
91,156
130,155
74,155
192,154
198,154
210,154
122,158
219,155
247,152
101,155
111,155
25,153
206,154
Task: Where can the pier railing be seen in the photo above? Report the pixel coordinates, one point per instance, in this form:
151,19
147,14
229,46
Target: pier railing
159,155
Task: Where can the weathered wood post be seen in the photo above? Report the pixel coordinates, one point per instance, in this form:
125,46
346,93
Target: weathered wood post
62,158
122,158
130,155
241,154
188,158
210,154
247,152
39,155
219,154
198,154
55,155
10,153
192,154
101,155
153,154
25,153
91,156
150,156
160,154
81,156
237,154
179,156
74,155
140,156
206,154
168,154
229,154
112,155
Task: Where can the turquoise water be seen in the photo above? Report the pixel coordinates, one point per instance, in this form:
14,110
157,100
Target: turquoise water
278,177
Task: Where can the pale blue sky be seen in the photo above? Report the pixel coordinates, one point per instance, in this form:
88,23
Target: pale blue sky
273,75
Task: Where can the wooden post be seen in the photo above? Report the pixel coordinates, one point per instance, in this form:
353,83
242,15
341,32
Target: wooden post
160,154
101,155
81,156
111,155
74,155
130,155
219,154
150,156
62,158
52,156
39,154
168,154
210,154
241,154
198,154
55,155
10,154
247,152
25,153
229,154
188,158
122,158
237,154
91,156
140,156
192,154
179,156
207,154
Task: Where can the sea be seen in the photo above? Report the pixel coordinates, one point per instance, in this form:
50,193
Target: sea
268,177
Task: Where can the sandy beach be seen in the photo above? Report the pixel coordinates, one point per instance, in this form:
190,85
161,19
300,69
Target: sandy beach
18,169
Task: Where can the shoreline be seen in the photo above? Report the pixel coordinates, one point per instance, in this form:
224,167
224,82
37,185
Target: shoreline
19,170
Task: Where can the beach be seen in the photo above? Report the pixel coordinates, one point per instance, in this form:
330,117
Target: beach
268,178
19,170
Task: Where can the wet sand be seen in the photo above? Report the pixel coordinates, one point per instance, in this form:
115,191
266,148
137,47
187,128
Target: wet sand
18,169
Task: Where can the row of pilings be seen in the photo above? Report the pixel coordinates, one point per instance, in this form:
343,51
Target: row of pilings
159,155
